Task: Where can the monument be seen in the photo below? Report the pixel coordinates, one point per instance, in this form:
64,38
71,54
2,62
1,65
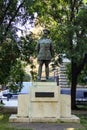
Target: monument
44,103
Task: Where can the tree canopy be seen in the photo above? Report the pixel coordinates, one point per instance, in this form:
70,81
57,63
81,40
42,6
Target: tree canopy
67,20
13,14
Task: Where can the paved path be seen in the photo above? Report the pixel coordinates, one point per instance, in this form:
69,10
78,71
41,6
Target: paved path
48,126
10,103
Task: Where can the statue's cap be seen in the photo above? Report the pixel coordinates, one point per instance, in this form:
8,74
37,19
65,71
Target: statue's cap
46,30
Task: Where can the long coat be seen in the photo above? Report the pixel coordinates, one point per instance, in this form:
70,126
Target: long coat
44,48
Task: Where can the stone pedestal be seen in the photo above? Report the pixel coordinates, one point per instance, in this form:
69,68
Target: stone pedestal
65,106
23,105
44,103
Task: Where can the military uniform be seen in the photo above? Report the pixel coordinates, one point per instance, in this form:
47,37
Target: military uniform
44,48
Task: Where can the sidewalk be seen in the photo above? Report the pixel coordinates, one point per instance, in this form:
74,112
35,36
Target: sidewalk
10,103
48,126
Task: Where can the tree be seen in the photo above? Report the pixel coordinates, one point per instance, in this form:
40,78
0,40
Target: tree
12,14
27,49
67,22
8,13
82,78
16,77
9,52
79,47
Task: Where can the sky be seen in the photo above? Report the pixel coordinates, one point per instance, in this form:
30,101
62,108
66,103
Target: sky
27,28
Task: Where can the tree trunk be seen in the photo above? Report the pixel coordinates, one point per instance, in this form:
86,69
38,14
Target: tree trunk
73,85
73,94
76,70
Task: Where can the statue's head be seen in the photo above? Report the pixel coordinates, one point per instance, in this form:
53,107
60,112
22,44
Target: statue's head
46,31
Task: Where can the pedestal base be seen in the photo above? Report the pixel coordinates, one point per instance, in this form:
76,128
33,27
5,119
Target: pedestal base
44,103
72,119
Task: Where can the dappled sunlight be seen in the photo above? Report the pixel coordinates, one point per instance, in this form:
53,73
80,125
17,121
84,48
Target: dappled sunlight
1,117
71,129
4,118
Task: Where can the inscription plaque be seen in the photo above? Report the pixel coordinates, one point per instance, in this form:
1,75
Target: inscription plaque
44,94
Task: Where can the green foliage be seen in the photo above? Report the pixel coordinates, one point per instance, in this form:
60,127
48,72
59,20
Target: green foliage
7,16
12,13
85,1
16,76
56,15
26,78
81,78
32,72
17,71
15,88
83,119
8,54
27,47
4,125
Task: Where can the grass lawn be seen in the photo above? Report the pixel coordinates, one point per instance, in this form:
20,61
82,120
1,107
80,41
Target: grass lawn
4,123
4,119
82,113
84,120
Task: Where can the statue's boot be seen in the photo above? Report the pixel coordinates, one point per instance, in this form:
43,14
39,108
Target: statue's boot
47,73
39,72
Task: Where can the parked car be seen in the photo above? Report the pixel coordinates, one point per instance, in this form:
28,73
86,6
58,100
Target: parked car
81,94
25,90
9,94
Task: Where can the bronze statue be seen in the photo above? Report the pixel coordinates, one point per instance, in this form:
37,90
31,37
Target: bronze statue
44,48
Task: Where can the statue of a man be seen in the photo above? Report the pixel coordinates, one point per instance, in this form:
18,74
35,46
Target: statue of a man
44,48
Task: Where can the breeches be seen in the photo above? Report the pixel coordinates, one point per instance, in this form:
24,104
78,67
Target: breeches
41,62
